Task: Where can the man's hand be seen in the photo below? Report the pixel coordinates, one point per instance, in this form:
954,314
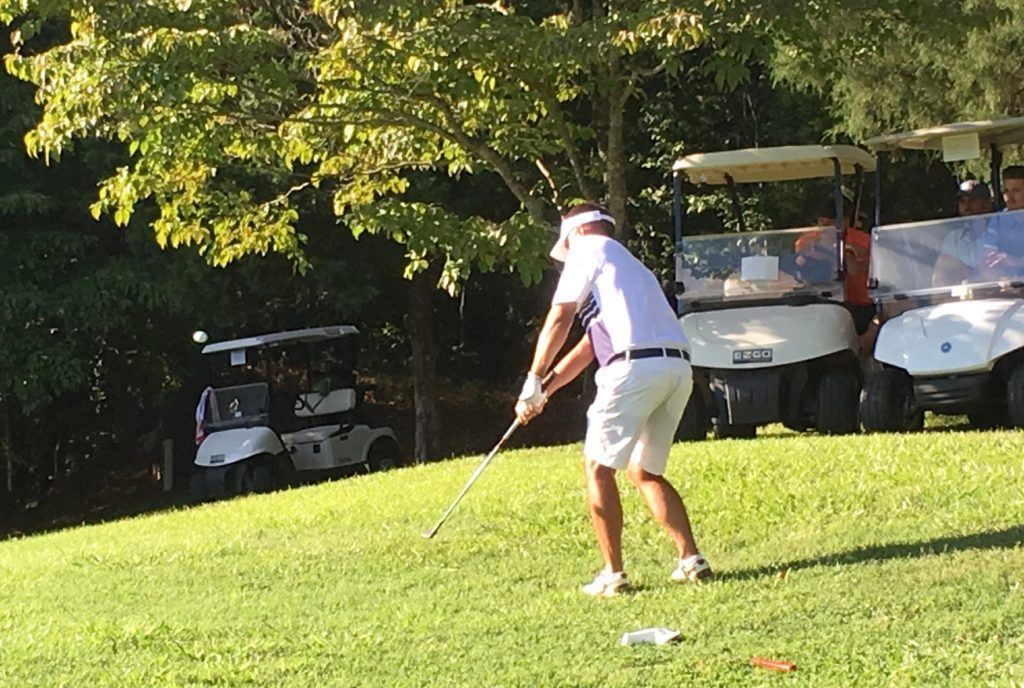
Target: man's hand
531,400
526,412
856,259
994,258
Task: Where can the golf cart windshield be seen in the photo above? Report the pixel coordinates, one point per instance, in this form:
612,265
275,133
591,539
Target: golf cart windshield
759,265
243,406
946,257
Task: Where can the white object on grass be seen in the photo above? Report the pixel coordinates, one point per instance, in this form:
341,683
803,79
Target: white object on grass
657,636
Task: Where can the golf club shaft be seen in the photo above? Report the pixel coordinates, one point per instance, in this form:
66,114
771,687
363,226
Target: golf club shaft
472,479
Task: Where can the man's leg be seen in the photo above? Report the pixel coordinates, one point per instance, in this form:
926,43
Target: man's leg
650,457
605,512
667,508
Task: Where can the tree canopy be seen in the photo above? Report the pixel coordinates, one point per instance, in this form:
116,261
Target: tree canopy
899,64
231,110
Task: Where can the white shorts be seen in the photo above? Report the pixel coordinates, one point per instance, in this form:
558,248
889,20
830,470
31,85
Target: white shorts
636,412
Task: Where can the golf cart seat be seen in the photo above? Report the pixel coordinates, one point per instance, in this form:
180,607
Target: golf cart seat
315,404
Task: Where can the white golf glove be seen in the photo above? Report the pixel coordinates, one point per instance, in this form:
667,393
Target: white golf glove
533,392
531,399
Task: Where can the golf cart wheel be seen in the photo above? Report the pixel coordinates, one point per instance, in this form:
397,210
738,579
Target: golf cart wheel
987,418
837,403
261,475
383,455
208,484
254,475
887,403
287,476
726,431
197,487
693,427
1015,397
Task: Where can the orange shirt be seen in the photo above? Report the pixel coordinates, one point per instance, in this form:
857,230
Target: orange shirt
860,242
857,285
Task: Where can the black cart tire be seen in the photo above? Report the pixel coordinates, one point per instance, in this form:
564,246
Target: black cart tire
887,403
209,484
287,476
694,425
727,431
838,393
988,418
383,455
261,475
1015,396
197,487
264,473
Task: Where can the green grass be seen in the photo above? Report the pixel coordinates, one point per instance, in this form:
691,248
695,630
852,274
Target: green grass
880,560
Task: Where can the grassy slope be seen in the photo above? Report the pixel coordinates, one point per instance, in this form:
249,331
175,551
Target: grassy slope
902,556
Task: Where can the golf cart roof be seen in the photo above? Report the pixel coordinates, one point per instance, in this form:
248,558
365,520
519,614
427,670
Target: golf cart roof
311,334
999,132
783,163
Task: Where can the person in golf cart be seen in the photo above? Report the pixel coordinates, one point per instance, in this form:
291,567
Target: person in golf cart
989,248
959,253
1013,187
1005,256
811,252
973,198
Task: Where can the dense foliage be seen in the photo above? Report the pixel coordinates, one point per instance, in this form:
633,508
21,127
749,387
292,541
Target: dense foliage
443,135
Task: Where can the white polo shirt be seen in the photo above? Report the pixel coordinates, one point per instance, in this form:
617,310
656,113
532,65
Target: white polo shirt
631,309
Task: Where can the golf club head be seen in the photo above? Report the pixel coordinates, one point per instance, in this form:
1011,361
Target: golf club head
430,533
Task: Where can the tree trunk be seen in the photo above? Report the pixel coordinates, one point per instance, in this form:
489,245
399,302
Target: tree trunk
6,452
424,364
615,158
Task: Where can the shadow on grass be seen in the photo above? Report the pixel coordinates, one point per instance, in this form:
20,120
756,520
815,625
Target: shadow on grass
1007,538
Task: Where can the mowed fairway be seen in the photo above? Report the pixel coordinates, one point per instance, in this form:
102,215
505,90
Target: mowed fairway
869,561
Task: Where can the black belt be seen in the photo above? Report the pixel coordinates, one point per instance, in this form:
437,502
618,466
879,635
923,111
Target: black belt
633,354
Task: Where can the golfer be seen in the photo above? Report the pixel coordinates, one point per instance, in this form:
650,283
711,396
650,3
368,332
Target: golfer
643,385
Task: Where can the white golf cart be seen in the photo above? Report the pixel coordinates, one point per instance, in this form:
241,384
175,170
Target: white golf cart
953,339
771,339
295,418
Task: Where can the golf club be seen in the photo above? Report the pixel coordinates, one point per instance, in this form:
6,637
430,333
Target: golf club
480,469
472,479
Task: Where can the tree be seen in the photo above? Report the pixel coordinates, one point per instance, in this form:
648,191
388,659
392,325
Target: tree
900,64
94,322
232,111
346,96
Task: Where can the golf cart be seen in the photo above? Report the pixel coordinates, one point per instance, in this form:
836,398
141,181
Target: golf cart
771,339
291,414
952,340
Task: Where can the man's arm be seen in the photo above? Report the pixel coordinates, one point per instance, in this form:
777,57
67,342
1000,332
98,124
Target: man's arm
857,260
571,365
552,337
949,271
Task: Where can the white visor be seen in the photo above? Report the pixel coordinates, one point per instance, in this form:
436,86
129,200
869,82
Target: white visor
561,248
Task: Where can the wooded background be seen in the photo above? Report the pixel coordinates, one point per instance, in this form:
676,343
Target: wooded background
253,165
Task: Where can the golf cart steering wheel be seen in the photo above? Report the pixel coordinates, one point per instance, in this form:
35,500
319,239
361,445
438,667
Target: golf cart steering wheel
301,403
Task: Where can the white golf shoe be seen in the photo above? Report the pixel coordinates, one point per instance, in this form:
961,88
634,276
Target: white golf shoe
693,569
607,584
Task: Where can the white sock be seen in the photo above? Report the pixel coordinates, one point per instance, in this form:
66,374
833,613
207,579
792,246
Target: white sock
691,560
